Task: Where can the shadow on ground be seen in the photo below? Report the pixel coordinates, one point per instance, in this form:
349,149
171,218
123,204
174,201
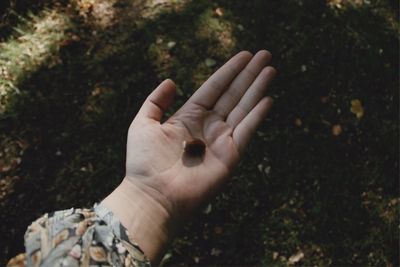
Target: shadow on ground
318,185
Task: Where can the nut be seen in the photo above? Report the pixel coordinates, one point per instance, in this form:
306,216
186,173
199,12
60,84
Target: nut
194,147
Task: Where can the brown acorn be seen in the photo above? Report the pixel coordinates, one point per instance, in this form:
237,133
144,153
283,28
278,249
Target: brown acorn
194,147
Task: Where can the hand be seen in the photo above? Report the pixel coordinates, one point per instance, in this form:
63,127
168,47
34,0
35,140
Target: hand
224,112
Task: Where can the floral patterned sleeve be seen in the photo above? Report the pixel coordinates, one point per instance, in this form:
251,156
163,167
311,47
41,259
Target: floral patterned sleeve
79,237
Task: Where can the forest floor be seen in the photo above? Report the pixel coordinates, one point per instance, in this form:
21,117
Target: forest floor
318,185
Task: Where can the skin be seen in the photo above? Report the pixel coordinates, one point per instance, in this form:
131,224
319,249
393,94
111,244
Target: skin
163,185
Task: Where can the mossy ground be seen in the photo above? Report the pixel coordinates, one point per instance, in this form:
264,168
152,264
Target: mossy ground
319,183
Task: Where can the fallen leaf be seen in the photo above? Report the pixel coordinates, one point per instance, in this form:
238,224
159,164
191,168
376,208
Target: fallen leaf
96,91
215,252
165,259
260,167
296,257
298,122
218,230
336,129
208,209
210,62
325,99
357,108
171,44
5,168
219,11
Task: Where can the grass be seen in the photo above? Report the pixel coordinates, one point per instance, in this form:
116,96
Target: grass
37,44
318,186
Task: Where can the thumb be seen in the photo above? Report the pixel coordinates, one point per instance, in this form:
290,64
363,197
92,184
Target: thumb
158,101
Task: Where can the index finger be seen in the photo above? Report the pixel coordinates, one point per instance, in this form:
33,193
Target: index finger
208,94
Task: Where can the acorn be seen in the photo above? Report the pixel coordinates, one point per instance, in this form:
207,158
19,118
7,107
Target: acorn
194,147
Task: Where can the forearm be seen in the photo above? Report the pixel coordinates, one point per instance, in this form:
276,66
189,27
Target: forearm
148,222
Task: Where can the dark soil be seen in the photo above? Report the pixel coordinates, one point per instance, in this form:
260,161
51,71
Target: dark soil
319,184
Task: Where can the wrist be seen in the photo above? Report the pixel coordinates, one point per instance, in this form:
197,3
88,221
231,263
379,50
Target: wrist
144,214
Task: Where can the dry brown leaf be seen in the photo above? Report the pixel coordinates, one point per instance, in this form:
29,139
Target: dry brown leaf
219,11
298,122
296,257
325,99
357,108
336,129
218,230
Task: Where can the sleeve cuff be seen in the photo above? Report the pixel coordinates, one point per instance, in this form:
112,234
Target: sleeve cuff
80,237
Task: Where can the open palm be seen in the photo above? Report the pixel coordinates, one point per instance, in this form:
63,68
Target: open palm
224,112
